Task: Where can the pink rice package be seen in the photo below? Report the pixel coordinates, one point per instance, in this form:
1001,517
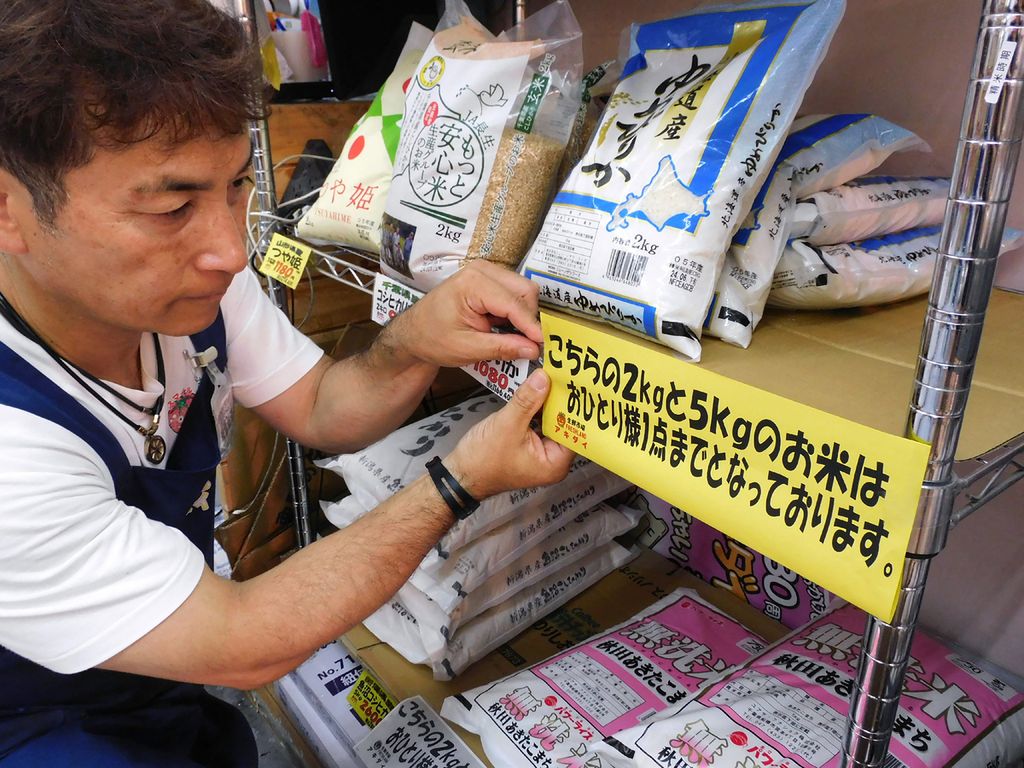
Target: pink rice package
713,557
787,708
552,713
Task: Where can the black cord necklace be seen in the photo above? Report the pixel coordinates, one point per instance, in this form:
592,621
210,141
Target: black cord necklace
155,447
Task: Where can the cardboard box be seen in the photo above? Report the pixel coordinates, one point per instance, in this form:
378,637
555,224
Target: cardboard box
326,679
313,727
860,364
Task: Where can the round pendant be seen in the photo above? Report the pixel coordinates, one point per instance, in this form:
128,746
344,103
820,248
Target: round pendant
156,448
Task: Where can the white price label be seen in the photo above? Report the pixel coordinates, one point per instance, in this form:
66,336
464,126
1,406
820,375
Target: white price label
414,734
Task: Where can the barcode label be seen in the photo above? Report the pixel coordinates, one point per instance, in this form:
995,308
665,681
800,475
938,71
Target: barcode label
891,761
626,267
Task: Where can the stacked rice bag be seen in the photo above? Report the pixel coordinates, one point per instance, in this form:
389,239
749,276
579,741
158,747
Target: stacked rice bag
521,555
821,151
789,705
554,712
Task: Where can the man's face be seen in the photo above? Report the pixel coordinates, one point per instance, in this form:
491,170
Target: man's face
148,239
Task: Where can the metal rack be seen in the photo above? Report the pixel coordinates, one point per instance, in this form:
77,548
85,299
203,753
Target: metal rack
266,197
986,159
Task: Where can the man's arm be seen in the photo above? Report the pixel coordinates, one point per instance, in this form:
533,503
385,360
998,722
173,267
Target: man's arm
247,634
341,406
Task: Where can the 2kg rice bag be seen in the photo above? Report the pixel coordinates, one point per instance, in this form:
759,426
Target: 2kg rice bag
382,469
501,623
555,711
486,122
789,706
397,625
818,149
864,141
721,561
638,232
438,620
520,550
351,201
869,207
875,271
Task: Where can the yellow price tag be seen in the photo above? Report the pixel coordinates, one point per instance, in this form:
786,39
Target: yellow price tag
285,260
829,498
370,701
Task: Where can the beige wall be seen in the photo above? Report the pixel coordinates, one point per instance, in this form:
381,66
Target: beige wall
907,60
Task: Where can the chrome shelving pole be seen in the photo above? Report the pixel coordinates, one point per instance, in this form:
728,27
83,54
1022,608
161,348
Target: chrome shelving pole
986,159
266,202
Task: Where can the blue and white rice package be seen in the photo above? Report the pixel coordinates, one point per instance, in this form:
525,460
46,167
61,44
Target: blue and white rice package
638,232
865,141
862,274
869,207
819,149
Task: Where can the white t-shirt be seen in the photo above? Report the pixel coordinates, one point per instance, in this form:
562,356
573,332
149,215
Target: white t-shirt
83,575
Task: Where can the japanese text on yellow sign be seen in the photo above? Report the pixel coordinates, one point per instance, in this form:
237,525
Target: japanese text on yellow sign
369,699
285,260
829,498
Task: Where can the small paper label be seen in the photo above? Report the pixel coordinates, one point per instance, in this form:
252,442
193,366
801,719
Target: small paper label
285,260
369,700
390,298
415,735
502,377
1000,71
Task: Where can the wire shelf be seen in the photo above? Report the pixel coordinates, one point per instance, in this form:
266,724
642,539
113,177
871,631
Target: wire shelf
985,477
356,269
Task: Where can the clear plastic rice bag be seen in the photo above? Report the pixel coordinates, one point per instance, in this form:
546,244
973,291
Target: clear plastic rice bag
638,233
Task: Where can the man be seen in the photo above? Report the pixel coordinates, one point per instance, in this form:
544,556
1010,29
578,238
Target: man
122,160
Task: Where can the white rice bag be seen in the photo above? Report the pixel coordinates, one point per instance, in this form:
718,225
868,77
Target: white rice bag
516,552
351,201
436,623
863,142
486,122
876,271
869,207
819,148
555,711
638,232
503,622
382,469
789,705
395,625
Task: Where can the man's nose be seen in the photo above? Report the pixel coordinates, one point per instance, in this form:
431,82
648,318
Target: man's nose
224,247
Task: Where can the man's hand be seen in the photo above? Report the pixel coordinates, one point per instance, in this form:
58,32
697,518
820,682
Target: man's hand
503,452
451,325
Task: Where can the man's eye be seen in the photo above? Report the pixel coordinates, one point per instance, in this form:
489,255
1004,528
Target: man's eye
178,212
241,182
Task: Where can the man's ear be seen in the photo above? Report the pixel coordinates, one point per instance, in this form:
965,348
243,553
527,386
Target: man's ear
12,240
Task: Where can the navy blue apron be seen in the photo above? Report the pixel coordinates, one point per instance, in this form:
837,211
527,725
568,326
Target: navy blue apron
111,719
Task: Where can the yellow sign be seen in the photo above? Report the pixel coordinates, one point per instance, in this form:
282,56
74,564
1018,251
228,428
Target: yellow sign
285,260
369,700
827,497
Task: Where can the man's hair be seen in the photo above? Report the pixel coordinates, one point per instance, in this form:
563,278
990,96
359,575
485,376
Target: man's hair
78,74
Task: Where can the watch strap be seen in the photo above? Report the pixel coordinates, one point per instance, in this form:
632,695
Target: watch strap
459,500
